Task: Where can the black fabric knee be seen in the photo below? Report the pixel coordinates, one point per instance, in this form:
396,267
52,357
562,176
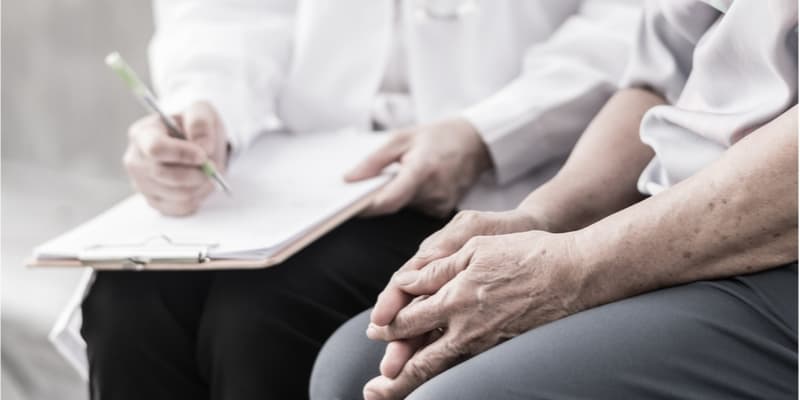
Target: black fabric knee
262,329
140,328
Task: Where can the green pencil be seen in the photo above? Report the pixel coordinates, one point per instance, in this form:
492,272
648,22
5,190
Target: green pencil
148,100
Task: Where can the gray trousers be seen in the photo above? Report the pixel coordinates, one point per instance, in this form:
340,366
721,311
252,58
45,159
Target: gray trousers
726,339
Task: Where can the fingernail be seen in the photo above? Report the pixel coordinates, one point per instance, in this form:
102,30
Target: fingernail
372,330
406,278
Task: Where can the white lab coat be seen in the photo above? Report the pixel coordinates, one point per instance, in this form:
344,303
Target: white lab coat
528,74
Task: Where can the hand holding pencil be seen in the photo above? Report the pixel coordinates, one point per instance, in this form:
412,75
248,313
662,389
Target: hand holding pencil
174,160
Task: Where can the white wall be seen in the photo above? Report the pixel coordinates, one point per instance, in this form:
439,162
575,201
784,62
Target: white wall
64,117
61,107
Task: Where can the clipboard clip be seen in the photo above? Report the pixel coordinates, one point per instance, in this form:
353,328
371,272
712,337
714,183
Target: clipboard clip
136,256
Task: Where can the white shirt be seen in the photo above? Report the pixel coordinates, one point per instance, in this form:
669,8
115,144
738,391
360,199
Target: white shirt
725,68
392,108
529,75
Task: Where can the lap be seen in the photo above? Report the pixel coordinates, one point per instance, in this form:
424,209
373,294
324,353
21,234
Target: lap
733,338
234,327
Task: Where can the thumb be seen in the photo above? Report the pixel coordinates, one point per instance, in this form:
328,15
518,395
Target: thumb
430,278
388,153
200,126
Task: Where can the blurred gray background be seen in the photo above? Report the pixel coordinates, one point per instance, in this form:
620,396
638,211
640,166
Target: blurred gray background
64,118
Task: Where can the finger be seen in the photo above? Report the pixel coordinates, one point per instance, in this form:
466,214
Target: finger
191,195
433,276
176,204
398,353
397,193
170,208
177,209
454,235
424,365
176,175
392,299
413,320
388,153
200,123
154,144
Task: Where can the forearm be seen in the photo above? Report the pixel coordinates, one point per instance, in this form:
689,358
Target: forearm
599,178
735,217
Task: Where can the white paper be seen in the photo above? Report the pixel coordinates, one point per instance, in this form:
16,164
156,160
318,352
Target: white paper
283,186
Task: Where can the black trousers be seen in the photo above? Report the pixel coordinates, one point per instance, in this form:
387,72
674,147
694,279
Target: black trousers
239,334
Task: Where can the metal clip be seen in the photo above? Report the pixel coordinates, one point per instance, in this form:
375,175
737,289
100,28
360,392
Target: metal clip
136,256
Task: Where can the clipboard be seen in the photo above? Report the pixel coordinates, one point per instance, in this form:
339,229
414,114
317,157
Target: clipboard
161,253
288,192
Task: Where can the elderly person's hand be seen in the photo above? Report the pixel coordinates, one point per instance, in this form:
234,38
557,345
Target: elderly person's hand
438,163
492,289
464,226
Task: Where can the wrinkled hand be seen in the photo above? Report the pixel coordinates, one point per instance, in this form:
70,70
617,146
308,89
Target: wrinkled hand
492,289
438,163
165,169
464,226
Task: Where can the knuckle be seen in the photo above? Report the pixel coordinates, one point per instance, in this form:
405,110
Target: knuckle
475,242
456,346
129,160
185,155
183,207
449,243
423,167
421,369
428,275
458,297
183,198
428,243
200,126
388,205
155,204
133,131
181,176
396,273
471,217
156,148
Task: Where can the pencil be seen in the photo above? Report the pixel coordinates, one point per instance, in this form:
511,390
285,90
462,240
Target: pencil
148,100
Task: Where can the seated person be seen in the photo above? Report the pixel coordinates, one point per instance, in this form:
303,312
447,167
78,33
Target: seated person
459,106
656,268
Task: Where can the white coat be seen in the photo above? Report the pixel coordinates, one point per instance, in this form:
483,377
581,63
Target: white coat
528,74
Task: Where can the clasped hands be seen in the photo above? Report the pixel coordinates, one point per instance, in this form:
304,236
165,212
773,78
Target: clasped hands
484,278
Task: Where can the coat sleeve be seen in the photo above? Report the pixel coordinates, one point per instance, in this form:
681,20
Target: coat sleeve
231,53
564,82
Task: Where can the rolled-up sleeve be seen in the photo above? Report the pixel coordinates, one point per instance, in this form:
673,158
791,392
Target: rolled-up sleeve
665,41
565,80
231,53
